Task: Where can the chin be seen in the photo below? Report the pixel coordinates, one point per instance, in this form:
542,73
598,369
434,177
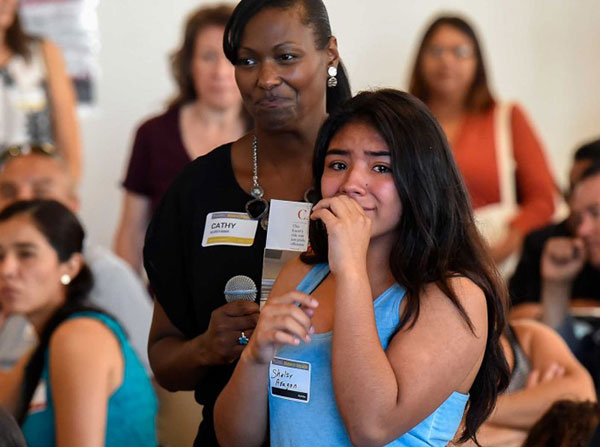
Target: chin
277,120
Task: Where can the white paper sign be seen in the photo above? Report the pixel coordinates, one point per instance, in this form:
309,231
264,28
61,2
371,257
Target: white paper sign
288,225
229,228
289,379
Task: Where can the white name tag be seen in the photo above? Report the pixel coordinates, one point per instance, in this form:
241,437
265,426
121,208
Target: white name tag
229,228
289,379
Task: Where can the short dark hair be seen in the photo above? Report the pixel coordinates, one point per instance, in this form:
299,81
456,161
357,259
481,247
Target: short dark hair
588,151
315,16
181,59
479,97
436,238
566,423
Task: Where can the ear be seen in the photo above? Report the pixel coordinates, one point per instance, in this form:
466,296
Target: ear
333,55
72,266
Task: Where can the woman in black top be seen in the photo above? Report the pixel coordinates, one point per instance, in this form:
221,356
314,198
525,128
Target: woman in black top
289,74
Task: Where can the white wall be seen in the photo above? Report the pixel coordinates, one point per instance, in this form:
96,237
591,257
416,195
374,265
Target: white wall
543,53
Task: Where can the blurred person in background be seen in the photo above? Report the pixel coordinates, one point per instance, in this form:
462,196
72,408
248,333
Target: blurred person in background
566,424
525,284
567,261
117,288
37,98
83,385
543,371
206,113
496,148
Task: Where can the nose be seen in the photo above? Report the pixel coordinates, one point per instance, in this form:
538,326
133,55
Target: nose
8,266
268,76
355,182
585,227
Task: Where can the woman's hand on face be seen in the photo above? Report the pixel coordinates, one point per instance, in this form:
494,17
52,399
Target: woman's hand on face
348,232
285,320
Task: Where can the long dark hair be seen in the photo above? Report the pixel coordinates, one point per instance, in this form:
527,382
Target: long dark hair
17,40
436,238
315,16
65,234
479,98
181,59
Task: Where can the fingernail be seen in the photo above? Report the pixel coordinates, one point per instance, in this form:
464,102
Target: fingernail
296,341
311,330
314,302
307,339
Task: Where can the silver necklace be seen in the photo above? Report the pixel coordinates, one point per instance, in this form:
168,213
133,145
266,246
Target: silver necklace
257,207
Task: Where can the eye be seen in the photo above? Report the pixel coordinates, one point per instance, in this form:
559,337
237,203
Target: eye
245,61
25,254
382,169
337,165
209,56
287,57
8,192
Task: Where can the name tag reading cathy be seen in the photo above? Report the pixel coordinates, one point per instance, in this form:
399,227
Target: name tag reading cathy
289,379
229,228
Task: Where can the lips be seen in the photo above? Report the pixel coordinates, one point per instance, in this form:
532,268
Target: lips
8,292
272,102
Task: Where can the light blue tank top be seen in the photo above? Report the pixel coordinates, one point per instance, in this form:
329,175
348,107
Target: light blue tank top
131,408
318,422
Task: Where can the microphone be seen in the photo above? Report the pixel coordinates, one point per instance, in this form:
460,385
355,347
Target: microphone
240,287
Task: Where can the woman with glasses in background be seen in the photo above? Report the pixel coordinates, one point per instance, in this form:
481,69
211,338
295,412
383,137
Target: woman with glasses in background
497,150
37,98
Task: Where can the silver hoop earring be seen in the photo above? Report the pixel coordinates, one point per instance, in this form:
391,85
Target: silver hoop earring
65,280
332,80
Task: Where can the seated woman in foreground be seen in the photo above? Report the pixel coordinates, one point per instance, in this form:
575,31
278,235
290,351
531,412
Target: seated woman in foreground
83,385
393,329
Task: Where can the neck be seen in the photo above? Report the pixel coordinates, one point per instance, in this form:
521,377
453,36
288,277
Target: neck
212,117
289,147
39,318
447,108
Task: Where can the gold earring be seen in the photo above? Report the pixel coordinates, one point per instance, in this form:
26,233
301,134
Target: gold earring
65,280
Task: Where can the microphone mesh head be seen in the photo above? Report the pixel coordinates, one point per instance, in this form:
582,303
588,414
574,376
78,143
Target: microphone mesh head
240,287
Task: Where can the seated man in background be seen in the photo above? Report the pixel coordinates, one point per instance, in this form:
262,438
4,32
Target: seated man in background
565,261
525,284
117,289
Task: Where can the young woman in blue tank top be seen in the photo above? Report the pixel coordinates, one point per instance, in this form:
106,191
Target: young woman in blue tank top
83,385
393,329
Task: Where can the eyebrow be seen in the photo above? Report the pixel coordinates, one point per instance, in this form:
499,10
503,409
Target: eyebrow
22,245
382,153
275,47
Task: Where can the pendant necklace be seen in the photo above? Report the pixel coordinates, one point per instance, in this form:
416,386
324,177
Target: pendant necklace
258,207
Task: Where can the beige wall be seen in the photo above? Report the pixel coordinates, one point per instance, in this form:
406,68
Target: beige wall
543,53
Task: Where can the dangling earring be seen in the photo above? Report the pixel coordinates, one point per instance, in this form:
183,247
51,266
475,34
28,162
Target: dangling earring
332,80
65,280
